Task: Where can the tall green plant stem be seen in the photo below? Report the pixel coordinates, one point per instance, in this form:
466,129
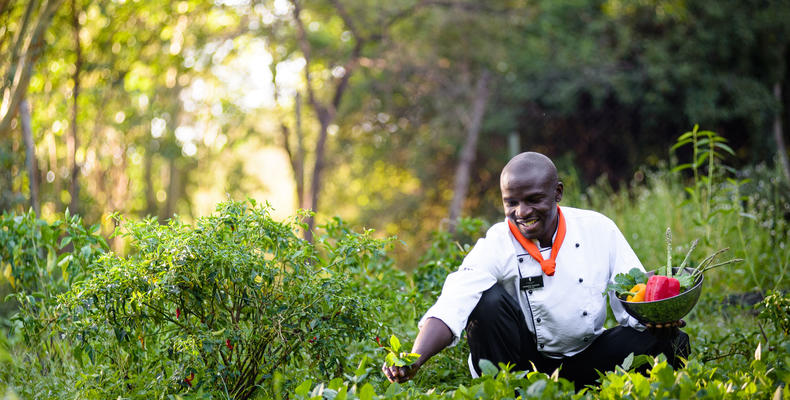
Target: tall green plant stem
668,272
739,228
711,165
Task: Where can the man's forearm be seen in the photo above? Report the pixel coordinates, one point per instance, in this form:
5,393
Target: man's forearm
434,336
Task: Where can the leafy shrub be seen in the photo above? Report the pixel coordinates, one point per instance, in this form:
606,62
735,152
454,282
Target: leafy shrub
776,309
38,256
445,254
41,260
660,382
494,384
215,308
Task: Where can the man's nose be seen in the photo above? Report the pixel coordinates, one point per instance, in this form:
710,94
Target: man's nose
522,210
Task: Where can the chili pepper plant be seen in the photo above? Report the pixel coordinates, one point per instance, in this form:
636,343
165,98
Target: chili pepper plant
220,306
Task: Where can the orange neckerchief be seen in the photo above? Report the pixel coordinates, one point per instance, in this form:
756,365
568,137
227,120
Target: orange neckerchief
549,264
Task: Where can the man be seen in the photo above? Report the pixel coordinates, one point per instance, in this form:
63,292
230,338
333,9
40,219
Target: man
531,291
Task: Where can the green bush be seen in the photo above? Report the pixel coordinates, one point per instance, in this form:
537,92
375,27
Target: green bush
215,309
219,306
39,261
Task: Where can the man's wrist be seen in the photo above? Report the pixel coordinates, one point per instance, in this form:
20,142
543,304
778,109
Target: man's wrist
419,362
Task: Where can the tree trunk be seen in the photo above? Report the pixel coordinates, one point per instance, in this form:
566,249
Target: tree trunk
779,135
318,168
172,190
150,197
23,58
296,157
73,141
469,149
299,168
30,155
325,113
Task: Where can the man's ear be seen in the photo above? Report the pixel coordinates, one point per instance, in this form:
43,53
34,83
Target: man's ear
558,192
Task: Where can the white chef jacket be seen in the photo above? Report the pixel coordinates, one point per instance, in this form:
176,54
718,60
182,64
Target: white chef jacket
569,311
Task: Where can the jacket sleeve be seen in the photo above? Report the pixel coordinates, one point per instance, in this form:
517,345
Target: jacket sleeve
463,288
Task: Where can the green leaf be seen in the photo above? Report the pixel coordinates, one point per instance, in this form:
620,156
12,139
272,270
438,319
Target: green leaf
393,390
366,392
329,394
409,358
392,360
395,343
623,282
726,148
701,159
686,280
219,332
681,167
641,360
628,361
685,136
637,276
488,368
536,389
52,261
361,370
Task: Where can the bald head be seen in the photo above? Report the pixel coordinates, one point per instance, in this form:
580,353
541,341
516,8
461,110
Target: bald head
532,164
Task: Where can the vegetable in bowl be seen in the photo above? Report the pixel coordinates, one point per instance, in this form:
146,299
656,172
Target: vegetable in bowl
671,291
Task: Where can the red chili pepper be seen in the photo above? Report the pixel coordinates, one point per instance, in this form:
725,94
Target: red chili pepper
228,344
189,379
312,340
661,287
178,313
378,341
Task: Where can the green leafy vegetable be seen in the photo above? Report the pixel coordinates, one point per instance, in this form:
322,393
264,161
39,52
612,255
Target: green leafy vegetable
624,282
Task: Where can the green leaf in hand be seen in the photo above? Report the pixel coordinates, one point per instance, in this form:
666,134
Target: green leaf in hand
395,343
396,358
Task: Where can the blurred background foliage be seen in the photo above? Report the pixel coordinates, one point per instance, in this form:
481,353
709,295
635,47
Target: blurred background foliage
393,115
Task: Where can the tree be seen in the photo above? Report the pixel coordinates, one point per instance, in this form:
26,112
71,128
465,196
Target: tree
355,28
23,50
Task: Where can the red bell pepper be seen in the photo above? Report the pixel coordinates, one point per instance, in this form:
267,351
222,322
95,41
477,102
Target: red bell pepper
661,287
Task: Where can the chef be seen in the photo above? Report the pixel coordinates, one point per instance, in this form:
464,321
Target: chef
532,291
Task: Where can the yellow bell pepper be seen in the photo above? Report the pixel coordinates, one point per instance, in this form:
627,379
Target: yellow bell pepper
639,290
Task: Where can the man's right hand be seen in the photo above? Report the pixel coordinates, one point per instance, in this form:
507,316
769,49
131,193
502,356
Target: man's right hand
433,337
400,374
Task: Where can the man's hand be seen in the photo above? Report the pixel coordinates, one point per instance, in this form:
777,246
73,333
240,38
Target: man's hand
400,374
665,330
433,337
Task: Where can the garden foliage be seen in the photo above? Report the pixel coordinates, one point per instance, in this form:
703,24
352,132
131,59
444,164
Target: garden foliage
237,305
39,261
215,308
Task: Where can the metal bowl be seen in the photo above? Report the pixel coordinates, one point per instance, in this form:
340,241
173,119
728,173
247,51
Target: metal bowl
665,310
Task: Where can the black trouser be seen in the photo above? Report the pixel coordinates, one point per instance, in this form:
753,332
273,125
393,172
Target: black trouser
497,332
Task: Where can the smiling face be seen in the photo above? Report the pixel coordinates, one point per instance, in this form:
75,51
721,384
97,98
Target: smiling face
530,193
